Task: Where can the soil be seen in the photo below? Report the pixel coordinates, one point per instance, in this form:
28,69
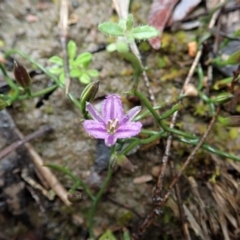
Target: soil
209,183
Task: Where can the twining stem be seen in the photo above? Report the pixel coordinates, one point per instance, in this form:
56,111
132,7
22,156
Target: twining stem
39,93
181,136
151,216
209,149
137,142
96,200
159,119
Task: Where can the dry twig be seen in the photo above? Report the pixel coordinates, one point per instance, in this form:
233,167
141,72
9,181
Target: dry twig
46,172
180,206
157,209
63,26
158,188
13,146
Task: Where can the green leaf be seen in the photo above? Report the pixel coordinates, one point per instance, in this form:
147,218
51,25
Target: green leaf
112,47
144,32
57,60
234,58
83,59
122,23
72,49
226,82
126,235
85,79
93,73
55,70
75,73
122,47
71,62
111,28
130,22
108,235
62,78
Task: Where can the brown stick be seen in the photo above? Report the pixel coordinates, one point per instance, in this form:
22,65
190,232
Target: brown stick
180,206
13,146
63,25
46,172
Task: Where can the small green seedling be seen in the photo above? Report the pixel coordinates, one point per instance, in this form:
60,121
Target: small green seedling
125,28
78,65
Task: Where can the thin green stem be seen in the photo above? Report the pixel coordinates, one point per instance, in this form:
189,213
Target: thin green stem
42,68
159,119
39,93
137,142
162,105
75,101
14,51
15,88
170,112
96,200
74,178
200,77
136,66
186,137
75,186
209,148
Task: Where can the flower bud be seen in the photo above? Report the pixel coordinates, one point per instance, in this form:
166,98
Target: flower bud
222,98
125,163
232,121
75,197
21,75
88,94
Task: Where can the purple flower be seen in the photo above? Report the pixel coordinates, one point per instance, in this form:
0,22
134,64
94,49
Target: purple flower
112,123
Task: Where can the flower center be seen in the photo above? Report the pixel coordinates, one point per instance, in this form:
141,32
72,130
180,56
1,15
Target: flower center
112,126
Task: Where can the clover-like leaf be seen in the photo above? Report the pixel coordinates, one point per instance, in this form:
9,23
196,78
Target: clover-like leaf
83,59
122,23
57,60
56,70
84,78
72,49
111,28
93,73
144,32
75,73
130,22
